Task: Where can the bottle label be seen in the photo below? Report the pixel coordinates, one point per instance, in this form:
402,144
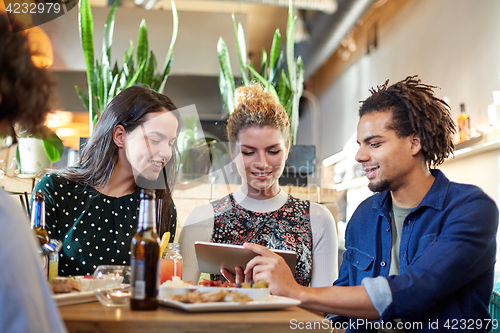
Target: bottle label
139,290
38,214
138,279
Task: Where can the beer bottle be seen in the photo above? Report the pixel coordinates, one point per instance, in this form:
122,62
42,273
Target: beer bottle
38,226
145,256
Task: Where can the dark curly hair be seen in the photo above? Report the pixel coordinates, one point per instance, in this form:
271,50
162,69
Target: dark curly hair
415,109
26,92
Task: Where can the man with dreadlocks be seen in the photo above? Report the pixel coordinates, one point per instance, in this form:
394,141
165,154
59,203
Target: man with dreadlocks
420,253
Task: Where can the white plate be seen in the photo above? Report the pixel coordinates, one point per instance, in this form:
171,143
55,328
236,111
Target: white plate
271,303
74,297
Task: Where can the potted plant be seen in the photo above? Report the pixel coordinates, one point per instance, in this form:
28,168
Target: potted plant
287,86
106,81
35,153
197,153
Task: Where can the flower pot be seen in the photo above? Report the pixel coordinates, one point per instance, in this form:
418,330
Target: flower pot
32,156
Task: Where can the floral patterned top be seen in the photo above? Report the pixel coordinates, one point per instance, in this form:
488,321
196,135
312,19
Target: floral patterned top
287,228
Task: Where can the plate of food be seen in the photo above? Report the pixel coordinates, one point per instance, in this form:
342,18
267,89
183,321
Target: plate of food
225,300
80,289
210,297
71,290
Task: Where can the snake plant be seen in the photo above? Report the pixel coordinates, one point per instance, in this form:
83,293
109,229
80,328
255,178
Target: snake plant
286,86
105,81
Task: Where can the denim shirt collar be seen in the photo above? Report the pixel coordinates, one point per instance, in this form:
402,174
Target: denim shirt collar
434,198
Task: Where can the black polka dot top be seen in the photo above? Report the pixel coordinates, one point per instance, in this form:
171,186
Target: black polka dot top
96,229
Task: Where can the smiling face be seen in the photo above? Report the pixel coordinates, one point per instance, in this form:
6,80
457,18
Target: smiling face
149,146
261,160
387,159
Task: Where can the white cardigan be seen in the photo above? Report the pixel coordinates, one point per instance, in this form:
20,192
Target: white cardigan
200,224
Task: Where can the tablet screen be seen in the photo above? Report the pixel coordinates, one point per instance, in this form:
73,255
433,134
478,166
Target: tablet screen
214,256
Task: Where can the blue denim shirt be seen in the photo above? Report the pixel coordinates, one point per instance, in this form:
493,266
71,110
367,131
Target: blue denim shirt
446,257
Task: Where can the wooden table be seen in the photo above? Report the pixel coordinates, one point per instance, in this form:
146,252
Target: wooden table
94,317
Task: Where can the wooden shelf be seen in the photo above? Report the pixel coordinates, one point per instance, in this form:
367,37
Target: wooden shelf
479,145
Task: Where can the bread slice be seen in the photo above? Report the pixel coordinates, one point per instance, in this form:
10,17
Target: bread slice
60,285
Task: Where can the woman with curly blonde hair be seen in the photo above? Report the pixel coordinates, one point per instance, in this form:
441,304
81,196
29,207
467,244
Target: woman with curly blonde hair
260,211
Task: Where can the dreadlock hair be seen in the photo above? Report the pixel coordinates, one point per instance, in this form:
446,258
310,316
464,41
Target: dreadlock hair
415,109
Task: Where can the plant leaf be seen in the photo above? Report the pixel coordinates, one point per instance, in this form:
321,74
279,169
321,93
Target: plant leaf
86,30
115,70
241,48
170,52
105,78
83,96
53,147
150,70
290,31
284,92
142,46
18,157
129,53
114,87
294,124
250,75
296,82
100,90
274,73
267,85
263,64
136,75
107,39
275,50
94,113
226,78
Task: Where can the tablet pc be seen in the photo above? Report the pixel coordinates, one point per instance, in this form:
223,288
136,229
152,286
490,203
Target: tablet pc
214,256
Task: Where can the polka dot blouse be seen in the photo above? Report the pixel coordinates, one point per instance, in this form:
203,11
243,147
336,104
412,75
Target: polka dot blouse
96,229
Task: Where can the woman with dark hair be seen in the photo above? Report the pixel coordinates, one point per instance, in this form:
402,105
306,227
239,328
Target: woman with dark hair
92,207
25,99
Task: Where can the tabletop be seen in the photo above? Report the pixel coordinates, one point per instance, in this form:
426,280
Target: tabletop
94,317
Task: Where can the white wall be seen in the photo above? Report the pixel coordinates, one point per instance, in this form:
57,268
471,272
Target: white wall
195,51
453,44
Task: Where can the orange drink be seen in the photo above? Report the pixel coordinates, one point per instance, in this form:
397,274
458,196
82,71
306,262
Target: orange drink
169,268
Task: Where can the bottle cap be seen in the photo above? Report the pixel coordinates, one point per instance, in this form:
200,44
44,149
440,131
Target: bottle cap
39,196
173,246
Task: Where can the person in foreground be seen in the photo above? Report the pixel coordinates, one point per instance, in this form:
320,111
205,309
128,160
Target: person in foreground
26,94
260,211
420,253
92,207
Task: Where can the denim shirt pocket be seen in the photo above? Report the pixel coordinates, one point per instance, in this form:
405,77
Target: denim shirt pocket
359,259
424,243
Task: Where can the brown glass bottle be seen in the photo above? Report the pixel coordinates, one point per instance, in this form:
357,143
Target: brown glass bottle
145,256
38,227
